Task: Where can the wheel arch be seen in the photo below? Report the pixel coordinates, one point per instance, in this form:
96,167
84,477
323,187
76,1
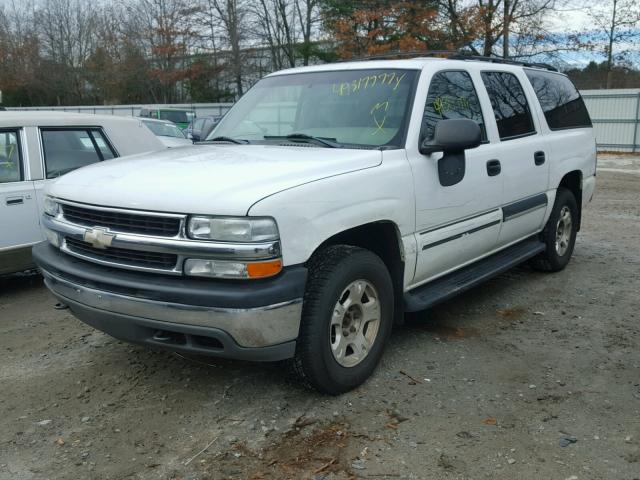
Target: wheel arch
384,239
572,181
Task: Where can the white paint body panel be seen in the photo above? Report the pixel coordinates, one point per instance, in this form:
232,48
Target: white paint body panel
209,179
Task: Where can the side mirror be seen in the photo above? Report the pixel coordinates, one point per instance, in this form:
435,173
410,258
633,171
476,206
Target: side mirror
453,135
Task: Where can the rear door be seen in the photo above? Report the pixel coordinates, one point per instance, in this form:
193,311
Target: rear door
522,155
18,207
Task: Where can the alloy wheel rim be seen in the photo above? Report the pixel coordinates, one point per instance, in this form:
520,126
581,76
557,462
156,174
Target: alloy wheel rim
563,231
355,322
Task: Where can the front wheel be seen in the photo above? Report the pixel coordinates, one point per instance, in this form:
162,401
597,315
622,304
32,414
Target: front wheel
346,319
559,233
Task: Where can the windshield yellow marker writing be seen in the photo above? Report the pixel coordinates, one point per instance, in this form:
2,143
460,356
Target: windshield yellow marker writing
366,82
376,108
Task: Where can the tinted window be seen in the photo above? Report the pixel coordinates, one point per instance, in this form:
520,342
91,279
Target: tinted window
509,103
68,149
451,95
562,104
10,157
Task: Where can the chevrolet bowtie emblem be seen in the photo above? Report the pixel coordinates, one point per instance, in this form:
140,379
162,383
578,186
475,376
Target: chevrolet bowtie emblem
98,237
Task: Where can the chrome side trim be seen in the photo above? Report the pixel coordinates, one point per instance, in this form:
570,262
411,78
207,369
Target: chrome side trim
253,327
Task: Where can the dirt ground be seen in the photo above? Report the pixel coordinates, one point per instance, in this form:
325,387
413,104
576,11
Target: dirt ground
530,376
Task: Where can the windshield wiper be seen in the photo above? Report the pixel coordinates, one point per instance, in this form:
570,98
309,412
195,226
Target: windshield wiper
222,138
327,142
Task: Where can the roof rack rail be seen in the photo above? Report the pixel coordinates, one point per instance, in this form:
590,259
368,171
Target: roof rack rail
410,54
507,61
453,55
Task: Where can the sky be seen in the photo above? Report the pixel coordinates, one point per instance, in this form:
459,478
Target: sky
570,17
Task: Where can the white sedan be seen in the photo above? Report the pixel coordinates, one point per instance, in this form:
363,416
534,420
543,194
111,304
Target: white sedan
37,147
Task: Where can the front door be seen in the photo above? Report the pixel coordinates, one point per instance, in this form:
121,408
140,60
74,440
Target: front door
18,206
459,223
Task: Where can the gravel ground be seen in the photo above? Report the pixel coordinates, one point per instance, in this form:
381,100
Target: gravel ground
530,376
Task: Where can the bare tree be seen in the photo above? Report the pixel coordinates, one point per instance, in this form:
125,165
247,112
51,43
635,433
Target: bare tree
493,21
617,21
232,15
67,29
308,18
165,29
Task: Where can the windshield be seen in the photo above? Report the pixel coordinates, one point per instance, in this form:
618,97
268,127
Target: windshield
349,107
164,129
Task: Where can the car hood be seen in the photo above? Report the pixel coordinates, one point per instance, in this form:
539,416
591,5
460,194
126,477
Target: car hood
206,179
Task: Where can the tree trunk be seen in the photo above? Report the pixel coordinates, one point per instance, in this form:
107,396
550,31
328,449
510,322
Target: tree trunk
506,21
612,31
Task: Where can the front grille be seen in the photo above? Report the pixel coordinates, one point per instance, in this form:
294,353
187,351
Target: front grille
123,256
122,222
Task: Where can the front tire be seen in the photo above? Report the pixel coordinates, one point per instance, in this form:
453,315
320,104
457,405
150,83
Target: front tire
346,319
559,233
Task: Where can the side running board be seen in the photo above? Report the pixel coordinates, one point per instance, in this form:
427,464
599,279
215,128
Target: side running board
450,285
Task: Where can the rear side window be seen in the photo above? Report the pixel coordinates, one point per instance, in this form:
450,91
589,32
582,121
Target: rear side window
509,104
10,157
561,103
451,95
66,149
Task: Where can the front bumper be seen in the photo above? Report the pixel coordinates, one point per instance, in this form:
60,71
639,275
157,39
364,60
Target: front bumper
251,320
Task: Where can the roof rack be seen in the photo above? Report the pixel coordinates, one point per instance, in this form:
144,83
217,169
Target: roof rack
452,55
508,61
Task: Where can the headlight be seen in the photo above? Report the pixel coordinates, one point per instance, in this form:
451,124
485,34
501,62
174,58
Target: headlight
51,207
232,229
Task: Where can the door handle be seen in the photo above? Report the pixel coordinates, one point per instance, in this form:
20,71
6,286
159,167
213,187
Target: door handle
493,168
14,201
539,158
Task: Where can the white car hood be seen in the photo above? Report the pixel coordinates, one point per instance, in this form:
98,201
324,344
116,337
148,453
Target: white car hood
206,179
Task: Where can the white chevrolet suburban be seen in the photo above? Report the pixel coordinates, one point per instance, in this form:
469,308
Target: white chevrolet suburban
327,202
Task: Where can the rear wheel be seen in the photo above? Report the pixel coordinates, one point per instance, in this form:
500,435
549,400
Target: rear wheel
346,319
559,234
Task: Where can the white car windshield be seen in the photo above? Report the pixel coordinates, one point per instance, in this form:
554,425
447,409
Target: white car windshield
164,129
359,108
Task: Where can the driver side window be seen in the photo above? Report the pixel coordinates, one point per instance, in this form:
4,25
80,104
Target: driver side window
451,96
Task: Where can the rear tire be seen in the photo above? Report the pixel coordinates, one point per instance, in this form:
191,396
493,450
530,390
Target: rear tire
347,317
559,234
